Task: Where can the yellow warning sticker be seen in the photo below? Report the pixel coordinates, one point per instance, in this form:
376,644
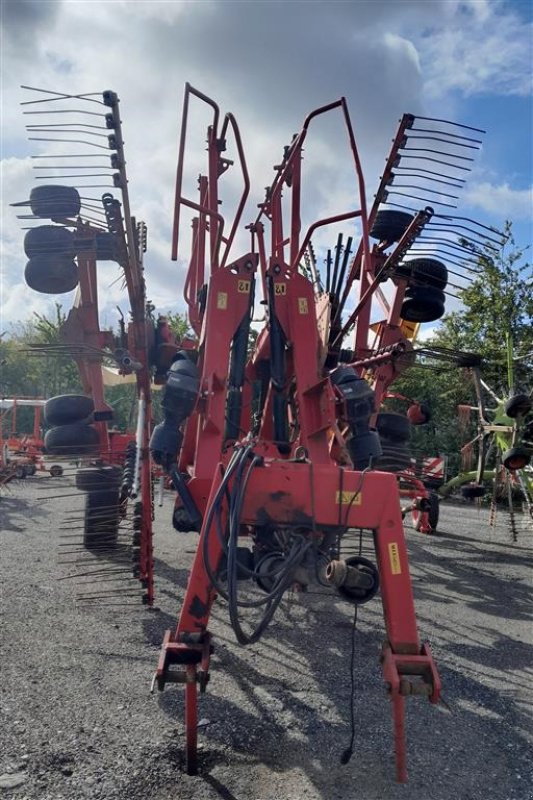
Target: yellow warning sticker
303,308
243,287
222,300
348,498
394,558
280,288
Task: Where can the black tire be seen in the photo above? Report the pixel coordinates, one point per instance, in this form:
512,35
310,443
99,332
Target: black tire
20,472
106,247
394,427
396,457
96,479
74,439
102,519
427,272
518,406
67,408
56,471
49,240
55,201
51,274
423,304
473,490
390,226
31,469
516,458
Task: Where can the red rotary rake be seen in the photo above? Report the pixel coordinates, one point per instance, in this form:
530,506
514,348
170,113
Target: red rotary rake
277,451
273,449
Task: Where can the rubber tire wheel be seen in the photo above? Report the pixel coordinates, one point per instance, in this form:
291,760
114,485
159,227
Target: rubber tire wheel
67,408
51,274
396,457
20,472
514,453
390,226
55,201
473,491
433,513
426,272
423,304
518,406
95,479
101,520
51,240
106,247
74,439
394,427
31,469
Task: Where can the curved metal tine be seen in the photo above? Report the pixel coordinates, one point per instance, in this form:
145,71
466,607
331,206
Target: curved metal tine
62,129
449,122
435,152
68,155
448,242
417,197
484,238
417,174
63,177
424,189
449,248
47,125
87,96
66,111
444,141
74,166
412,253
438,161
501,234
68,141
432,172
447,133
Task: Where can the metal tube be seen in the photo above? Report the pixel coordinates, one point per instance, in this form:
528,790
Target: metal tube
139,443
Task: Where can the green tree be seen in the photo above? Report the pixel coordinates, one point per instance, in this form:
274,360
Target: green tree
178,324
496,304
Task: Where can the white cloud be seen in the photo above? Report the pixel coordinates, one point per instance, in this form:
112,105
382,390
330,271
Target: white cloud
501,200
484,49
268,62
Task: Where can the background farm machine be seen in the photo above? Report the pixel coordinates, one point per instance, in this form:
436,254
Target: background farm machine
279,453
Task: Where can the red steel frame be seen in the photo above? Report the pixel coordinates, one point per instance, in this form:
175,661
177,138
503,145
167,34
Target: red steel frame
317,489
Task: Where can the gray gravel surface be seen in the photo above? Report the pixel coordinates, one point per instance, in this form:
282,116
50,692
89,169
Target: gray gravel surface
78,720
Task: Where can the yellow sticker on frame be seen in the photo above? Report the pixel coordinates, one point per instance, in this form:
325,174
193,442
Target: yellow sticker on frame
280,288
243,287
222,301
348,498
394,559
303,307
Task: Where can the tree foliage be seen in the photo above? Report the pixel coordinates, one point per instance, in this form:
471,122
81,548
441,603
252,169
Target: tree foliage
497,303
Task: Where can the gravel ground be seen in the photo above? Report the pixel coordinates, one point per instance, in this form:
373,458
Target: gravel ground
78,720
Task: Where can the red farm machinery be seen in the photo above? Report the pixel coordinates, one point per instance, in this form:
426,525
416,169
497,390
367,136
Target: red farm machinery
274,434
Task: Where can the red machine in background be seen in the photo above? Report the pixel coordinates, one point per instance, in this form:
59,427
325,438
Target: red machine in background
20,453
115,473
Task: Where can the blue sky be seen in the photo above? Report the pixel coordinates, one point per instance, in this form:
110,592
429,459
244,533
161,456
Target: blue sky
270,63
